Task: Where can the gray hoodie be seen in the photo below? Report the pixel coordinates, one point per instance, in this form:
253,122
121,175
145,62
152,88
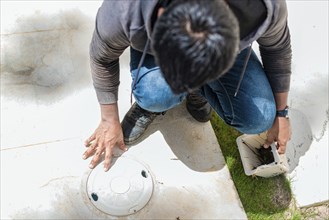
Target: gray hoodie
124,23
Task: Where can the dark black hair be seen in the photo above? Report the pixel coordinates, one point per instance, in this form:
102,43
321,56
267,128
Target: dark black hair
164,3
194,42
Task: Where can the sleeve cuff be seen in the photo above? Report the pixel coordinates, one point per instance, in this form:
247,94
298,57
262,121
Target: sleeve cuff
281,84
107,97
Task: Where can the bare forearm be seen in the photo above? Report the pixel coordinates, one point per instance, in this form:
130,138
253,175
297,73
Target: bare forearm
109,112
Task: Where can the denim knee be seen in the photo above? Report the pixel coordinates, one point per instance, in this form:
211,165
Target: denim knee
152,92
258,120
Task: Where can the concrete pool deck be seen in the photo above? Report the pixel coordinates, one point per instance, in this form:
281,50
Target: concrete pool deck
43,127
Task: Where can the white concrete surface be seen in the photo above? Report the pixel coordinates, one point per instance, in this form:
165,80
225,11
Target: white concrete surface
43,125
308,22
42,128
191,179
308,97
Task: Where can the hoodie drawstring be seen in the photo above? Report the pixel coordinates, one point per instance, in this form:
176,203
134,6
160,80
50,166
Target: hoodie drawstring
144,54
138,69
243,70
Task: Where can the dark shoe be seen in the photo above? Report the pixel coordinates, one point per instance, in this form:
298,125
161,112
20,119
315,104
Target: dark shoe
198,107
136,122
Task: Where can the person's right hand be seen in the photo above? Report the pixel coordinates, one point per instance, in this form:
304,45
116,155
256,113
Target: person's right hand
102,141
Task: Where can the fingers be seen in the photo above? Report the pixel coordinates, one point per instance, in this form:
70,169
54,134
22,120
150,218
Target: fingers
96,158
89,140
108,157
101,145
122,146
90,151
270,139
96,149
281,146
282,149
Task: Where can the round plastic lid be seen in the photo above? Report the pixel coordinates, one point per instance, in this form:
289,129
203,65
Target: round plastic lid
125,189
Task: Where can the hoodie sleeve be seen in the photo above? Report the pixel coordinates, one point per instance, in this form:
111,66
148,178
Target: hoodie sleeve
108,42
275,49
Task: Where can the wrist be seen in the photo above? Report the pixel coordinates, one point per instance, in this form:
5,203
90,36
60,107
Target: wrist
109,113
284,113
281,100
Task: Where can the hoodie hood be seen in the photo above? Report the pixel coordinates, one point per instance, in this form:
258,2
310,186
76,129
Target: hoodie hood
253,36
147,8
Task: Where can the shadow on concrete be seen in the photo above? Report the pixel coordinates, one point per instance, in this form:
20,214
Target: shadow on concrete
192,142
311,97
301,138
195,143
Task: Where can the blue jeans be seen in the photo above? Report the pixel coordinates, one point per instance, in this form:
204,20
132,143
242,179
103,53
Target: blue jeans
252,111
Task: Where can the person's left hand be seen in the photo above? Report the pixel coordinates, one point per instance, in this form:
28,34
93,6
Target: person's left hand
279,132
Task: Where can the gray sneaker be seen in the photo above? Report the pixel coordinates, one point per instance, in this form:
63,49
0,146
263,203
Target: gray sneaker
198,107
136,122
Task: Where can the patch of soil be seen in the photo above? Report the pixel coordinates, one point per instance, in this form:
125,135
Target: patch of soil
282,197
265,155
317,212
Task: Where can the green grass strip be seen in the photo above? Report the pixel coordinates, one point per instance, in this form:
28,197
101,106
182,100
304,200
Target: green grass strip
262,198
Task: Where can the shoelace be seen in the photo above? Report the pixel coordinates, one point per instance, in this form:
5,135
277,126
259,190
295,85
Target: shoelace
196,98
139,112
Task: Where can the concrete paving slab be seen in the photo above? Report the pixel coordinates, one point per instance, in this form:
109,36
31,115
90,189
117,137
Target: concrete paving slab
190,176
39,120
32,121
309,95
44,151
